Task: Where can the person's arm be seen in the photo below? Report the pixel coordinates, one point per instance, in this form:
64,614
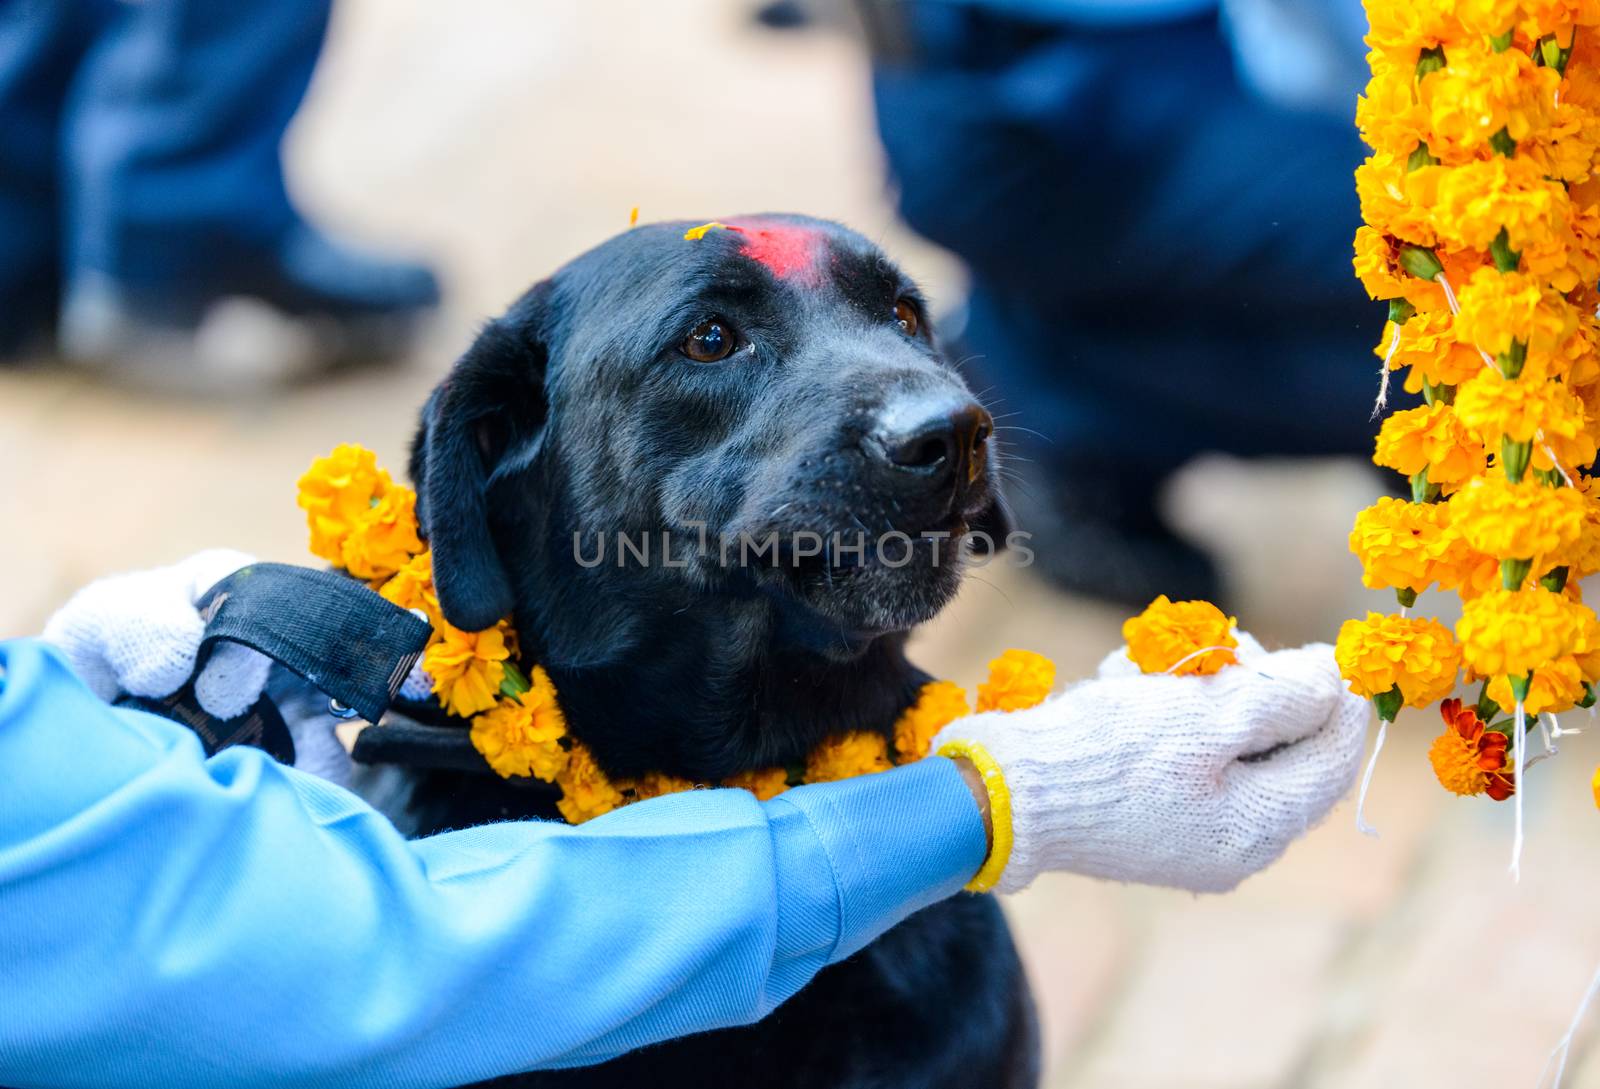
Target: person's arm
170,920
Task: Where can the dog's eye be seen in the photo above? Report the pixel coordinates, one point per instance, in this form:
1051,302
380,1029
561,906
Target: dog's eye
905,314
710,342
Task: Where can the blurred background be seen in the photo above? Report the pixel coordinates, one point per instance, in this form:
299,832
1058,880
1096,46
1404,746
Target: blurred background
1133,217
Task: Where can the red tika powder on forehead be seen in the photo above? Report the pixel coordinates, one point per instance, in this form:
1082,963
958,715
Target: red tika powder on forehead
788,252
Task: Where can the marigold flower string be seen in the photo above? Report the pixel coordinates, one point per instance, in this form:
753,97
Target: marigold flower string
1482,233
365,523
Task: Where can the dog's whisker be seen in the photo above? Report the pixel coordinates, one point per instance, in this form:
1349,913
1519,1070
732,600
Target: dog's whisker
1026,430
1004,448
979,578
1025,491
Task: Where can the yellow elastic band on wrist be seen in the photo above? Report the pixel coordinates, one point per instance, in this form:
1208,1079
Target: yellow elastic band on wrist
994,781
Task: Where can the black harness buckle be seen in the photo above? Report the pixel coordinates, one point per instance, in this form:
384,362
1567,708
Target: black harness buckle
334,632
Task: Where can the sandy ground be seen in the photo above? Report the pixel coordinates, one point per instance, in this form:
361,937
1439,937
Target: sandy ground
503,137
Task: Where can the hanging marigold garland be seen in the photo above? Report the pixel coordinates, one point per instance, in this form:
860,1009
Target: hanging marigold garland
1482,210
364,522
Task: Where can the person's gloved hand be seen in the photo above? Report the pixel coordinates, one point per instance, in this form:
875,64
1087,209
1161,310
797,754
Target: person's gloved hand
1192,782
140,632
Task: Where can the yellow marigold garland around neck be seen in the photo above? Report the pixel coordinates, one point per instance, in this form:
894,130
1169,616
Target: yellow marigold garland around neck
364,522
1481,202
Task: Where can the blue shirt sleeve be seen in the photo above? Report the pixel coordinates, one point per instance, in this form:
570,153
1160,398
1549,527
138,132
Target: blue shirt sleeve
170,920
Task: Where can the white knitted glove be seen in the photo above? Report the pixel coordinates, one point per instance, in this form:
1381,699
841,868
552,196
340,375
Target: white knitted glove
139,633
1192,782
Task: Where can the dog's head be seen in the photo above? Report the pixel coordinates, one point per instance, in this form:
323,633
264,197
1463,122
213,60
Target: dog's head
770,395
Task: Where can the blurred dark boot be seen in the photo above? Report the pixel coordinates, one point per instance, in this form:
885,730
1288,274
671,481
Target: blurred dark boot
1096,531
261,317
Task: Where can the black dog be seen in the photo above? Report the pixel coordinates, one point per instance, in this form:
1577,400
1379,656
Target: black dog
773,380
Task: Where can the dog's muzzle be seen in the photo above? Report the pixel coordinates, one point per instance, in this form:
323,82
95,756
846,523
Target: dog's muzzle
926,443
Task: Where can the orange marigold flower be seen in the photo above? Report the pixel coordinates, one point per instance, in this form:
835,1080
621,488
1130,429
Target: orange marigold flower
1569,436
1584,559
1400,28
1514,632
1477,200
1577,361
1464,569
1588,395
1430,437
1388,113
1565,149
1561,261
1392,205
411,587
467,668
654,784
1415,654
336,492
521,735
1480,92
1398,543
1512,408
844,756
1018,679
1556,687
1428,346
1486,18
1468,758
1587,651
586,790
764,783
1168,632
1525,521
1582,84
1500,307
939,703
383,539
1377,266
1556,15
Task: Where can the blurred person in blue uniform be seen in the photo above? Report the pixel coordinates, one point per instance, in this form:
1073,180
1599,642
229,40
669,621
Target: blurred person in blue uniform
1154,201
141,188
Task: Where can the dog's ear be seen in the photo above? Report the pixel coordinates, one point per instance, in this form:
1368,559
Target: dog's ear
486,415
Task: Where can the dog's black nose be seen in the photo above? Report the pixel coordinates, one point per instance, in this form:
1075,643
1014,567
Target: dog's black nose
935,438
